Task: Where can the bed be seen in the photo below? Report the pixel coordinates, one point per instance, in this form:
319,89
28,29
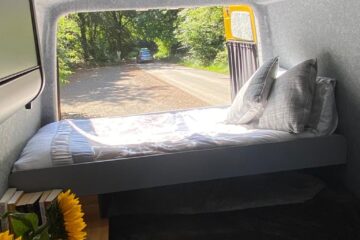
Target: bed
275,123
104,155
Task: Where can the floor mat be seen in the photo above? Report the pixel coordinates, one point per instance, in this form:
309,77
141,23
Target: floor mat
216,195
329,216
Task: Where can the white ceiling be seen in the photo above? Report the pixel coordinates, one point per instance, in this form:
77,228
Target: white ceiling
99,5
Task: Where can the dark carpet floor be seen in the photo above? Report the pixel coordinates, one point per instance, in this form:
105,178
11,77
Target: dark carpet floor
328,216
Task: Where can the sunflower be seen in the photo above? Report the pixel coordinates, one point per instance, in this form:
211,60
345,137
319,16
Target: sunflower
7,236
73,216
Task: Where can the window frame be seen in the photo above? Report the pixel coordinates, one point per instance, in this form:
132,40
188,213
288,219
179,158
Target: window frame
32,76
227,22
17,74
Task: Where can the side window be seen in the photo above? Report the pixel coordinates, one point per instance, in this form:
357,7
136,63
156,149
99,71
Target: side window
20,71
240,23
17,41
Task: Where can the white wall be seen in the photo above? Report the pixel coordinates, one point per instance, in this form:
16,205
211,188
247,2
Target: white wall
330,31
14,133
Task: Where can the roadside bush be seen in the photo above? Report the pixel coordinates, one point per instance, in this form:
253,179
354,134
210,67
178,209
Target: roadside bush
201,31
64,71
219,65
69,51
221,58
164,49
133,54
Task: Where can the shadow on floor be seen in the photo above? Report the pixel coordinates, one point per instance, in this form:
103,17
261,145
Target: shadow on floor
329,216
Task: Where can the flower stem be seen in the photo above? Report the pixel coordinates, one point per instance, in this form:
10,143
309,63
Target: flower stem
40,229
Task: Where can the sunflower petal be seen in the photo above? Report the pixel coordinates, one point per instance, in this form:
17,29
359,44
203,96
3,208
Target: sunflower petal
73,215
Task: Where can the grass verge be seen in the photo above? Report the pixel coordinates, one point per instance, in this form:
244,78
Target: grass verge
218,68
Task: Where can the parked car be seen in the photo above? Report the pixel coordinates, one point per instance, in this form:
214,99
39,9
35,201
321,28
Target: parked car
144,55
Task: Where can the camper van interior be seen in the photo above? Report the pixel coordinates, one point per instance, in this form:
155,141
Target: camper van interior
271,164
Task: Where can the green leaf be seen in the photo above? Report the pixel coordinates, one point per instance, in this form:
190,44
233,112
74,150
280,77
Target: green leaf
44,235
56,222
19,228
27,218
24,223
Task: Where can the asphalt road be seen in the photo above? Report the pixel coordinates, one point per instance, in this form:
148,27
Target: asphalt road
141,88
210,87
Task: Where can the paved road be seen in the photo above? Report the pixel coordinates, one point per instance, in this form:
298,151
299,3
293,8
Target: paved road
140,88
213,88
119,91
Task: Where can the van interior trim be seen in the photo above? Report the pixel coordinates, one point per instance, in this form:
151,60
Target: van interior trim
18,92
17,75
19,89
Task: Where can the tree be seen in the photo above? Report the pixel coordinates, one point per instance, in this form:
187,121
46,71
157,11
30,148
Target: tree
69,49
201,31
96,38
157,26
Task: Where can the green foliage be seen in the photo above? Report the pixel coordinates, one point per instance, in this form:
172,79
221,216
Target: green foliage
156,26
221,58
56,222
164,49
24,223
201,31
218,68
69,50
27,226
108,37
133,54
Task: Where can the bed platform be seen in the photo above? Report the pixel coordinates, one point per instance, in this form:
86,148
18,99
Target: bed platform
187,166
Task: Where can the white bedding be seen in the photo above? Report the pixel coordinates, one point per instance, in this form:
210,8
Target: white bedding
99,139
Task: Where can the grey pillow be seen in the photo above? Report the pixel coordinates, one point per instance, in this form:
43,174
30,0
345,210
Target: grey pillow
290,101
249,103
324,118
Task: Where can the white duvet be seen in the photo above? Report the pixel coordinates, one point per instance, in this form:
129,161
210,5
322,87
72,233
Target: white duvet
100,139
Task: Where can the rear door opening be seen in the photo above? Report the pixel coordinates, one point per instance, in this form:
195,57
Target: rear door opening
132,62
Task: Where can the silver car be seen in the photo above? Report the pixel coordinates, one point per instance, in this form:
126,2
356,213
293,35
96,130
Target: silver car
144,56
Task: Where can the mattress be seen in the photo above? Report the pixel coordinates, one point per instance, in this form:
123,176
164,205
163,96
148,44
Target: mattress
69,142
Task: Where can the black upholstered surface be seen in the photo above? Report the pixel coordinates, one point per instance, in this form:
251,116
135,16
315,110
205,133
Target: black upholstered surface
329,216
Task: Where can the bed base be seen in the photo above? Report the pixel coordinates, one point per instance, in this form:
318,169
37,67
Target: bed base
184,167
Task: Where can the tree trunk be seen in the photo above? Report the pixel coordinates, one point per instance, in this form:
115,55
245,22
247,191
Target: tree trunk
83,40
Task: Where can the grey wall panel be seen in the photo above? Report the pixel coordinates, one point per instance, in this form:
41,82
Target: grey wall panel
16,93
14,133
328,30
